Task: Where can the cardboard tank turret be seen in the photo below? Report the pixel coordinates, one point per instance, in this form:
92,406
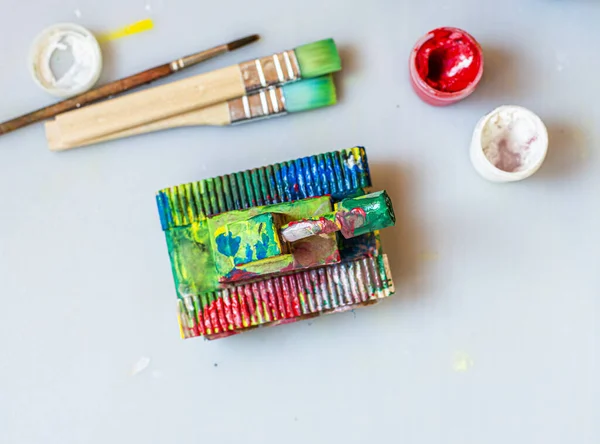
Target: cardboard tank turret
276,244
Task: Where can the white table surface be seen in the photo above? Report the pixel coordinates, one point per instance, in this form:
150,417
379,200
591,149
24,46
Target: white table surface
492,336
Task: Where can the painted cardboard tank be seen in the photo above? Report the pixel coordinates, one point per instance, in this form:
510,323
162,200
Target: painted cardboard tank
276,244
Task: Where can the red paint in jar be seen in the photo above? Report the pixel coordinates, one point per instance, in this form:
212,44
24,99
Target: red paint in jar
445,66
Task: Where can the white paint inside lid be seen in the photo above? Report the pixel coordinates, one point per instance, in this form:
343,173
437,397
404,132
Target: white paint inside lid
512,140
66,60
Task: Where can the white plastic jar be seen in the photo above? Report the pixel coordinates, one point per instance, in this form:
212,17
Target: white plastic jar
509,144
83,49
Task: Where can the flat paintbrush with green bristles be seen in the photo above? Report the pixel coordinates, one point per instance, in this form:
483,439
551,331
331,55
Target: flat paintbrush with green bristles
276,101
173,99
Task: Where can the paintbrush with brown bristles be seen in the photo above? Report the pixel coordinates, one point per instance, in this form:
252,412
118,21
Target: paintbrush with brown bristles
123,85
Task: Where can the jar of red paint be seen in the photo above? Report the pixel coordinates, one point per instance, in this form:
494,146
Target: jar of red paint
445,66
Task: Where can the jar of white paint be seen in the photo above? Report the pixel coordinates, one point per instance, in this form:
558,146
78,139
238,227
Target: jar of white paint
509,144
65,60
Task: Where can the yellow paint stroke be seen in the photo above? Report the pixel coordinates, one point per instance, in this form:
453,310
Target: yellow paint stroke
134,28
462,362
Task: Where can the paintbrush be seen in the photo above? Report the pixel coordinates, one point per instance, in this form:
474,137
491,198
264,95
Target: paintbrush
120,86
161,102
294,97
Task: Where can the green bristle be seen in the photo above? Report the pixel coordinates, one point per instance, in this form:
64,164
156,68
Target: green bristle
318,58
309,94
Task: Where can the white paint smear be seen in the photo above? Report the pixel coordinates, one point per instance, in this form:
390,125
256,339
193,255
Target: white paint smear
141,365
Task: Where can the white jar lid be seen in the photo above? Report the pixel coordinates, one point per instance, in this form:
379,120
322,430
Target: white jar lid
65,60
509,144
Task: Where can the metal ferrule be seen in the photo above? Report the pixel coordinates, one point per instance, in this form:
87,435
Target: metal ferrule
194,59
270,71
261,105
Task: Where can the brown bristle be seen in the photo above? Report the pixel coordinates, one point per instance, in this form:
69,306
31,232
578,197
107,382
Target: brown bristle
242,42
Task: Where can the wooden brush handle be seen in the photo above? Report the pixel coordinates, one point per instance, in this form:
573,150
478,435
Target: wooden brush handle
150,105
86,98
215,115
